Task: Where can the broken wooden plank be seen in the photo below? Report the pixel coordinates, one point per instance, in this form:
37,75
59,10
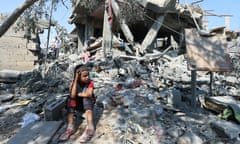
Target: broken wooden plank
152,33
219,103
207,53
36,133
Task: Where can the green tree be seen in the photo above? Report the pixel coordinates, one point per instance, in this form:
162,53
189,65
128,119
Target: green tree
30,12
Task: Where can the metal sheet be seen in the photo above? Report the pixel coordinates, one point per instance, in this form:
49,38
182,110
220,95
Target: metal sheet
207,53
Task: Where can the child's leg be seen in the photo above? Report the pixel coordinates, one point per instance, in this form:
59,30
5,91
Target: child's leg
70,128
89,130
71,106
71,121
89,114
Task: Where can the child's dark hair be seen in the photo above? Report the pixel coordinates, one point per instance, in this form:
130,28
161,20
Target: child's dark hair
80,68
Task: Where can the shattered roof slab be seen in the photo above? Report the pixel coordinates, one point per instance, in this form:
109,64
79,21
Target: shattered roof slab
135,11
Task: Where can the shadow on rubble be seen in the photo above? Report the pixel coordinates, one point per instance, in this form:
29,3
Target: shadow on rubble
97,113
80,122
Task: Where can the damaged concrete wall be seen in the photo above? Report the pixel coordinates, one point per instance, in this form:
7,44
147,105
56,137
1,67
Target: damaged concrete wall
132,20
15,50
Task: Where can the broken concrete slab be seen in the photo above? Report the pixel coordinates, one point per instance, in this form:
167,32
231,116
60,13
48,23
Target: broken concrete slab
152,33
158,6
9,73
226,129
6,97
9,76
39,132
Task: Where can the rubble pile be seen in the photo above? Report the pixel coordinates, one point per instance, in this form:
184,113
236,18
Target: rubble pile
138,101
144,85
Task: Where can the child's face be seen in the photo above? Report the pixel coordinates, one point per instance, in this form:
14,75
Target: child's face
84,76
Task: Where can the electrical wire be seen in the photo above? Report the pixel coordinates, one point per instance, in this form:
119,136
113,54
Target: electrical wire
163,25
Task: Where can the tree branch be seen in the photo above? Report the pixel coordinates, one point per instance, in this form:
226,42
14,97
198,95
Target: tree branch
14,16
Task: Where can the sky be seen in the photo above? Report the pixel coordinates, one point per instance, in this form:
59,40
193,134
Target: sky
61,15
220,7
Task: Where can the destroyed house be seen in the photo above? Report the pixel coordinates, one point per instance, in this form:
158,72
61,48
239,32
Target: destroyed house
143,24
152,26
18,52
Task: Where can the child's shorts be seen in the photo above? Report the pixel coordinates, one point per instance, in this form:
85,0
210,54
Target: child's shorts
82,104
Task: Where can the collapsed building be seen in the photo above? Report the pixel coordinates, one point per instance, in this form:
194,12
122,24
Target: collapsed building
21,45
144,25
147,29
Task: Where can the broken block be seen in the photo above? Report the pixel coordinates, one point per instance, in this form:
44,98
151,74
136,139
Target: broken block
158,6
53,111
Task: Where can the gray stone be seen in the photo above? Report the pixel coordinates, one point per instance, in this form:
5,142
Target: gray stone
189,138
226,129
107,103
231,79
6,97
157,109
174,97
128,98
174,132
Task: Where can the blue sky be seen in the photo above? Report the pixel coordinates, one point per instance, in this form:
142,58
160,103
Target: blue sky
61,15
221,7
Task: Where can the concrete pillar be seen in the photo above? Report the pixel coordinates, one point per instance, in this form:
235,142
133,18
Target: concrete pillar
227,22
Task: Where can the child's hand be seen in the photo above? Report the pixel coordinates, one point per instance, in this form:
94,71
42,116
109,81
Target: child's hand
77,75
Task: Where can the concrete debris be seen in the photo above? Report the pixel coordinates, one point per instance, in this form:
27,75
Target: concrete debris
142,98
158,7
147,103
38,131
189,138
9,75
226,129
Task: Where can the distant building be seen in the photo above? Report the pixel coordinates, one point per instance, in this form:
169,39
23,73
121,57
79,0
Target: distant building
18,53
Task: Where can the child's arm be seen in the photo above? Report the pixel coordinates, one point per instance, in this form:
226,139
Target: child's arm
88,92
74,87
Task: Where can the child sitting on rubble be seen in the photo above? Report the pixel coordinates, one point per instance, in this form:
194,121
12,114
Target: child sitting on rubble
81,98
